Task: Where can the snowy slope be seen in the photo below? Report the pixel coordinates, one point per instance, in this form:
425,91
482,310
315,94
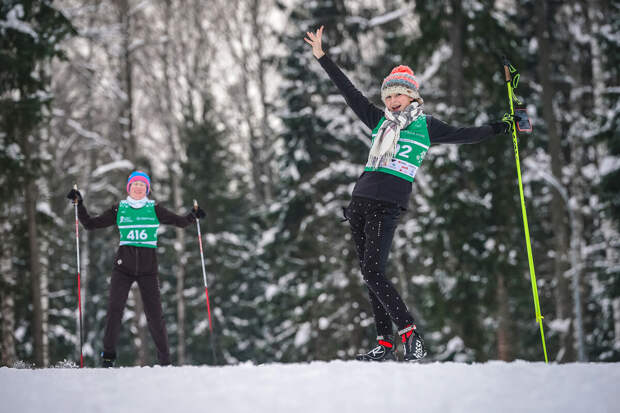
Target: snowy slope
317,387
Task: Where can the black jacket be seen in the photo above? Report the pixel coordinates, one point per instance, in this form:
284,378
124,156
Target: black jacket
379,185
129,259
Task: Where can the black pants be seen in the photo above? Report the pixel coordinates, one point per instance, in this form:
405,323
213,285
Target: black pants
373,224
149,290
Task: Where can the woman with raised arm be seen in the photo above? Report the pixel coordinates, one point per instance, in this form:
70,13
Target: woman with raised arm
137,219
401,135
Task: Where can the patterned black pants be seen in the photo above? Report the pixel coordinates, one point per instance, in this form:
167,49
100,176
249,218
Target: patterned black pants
373,224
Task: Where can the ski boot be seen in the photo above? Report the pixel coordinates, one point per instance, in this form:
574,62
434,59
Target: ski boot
107,359
383,352
413,343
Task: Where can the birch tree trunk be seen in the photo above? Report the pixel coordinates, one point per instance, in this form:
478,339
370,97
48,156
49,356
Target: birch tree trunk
616,310
598,79
455,74
126,74
245,33
43,247
174,171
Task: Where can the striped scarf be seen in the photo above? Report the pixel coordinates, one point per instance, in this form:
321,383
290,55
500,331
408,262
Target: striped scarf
384,146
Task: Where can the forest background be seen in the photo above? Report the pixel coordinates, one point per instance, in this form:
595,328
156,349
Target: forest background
222,101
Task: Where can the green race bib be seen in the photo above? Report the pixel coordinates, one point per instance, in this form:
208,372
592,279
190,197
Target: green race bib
137,226
412,146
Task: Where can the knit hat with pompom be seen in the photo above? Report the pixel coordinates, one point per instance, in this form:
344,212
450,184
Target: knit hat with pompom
400,81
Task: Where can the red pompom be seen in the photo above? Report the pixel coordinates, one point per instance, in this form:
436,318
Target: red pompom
402,69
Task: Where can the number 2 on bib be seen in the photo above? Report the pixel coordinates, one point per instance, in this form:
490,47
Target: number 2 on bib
405,150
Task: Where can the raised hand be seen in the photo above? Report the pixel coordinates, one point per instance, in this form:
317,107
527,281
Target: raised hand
75,196
198,213
314,40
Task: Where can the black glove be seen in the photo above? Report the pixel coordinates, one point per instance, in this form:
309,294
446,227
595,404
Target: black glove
503,127
74,195
198,213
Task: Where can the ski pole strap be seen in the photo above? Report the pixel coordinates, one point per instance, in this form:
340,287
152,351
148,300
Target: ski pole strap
509,120
511,72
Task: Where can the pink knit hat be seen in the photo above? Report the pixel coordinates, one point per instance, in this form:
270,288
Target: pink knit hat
139,176
400,80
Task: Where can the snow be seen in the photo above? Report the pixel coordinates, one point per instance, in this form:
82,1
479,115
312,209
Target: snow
83,132
609,164
13,151
111,166
559,325
389,17
13,21
380,20
303,334
317,387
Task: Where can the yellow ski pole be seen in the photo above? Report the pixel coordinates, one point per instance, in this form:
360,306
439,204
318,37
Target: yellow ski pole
512,79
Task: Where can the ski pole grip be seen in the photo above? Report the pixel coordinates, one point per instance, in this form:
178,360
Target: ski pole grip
506,64
195,205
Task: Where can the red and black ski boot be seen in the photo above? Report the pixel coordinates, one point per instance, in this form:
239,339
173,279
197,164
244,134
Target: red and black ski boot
413,343
383,352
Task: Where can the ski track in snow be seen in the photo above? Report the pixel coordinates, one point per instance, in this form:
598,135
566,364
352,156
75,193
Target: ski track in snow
338,386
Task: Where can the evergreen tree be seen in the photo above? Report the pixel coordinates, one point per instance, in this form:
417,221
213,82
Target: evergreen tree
212,176
602,127
31,32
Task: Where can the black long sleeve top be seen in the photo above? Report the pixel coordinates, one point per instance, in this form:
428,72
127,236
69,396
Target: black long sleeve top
130,259
378,185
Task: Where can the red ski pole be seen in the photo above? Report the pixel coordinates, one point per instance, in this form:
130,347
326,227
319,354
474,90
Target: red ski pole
204,278
79,286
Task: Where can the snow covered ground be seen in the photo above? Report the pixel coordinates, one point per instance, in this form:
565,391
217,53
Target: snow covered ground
338,386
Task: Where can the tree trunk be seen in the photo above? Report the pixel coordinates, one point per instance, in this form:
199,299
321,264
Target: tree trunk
455,73
266,156
616,309
598,77
563,307
139,323
7,301
45,306
35,274
126,118
174,170
131,153
504,339
248,52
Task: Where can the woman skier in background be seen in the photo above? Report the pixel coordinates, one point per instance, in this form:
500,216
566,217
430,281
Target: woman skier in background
137,219
401,135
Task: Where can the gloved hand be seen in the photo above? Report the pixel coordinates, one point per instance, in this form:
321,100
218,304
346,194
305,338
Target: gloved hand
505,126
75,195
198,213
